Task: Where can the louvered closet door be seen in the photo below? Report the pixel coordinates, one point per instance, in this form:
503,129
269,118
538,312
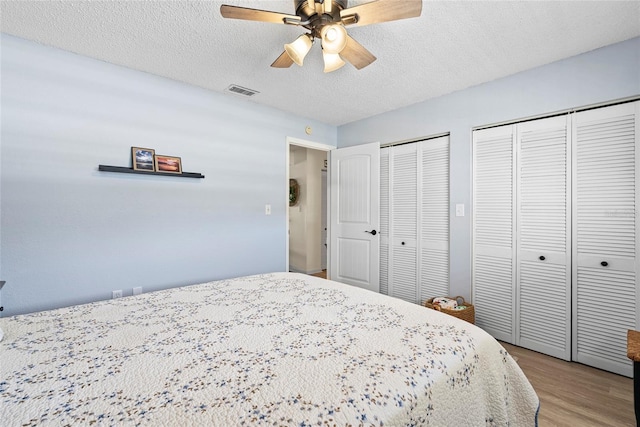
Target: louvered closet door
606,235
493,233
404,222
543,221
434,217
384,220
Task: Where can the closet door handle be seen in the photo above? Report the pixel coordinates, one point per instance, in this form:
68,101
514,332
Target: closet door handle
604,263
402,243
542,258
372,232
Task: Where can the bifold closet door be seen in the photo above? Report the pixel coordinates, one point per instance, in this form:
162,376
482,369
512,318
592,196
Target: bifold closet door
414,220
385,203
434,218
493,269
606,240
403,271
399,221
543,220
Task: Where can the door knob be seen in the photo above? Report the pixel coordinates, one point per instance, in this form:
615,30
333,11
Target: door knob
372,232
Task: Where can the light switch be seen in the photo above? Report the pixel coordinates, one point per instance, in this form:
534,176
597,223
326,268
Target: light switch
460,209
267,209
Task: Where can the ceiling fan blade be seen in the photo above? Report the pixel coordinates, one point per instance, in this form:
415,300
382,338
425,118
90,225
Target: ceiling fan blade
236,12
355,53
326,6
383,11
283,61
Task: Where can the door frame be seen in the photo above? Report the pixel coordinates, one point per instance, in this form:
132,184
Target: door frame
314,146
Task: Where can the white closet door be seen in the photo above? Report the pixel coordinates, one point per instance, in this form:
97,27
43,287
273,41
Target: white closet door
384,220
434,218
543,288
493,231
605,272
404,222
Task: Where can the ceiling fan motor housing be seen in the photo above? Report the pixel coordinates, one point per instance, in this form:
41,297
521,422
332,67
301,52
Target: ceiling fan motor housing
317,15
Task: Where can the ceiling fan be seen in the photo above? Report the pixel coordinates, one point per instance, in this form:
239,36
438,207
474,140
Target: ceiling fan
326,20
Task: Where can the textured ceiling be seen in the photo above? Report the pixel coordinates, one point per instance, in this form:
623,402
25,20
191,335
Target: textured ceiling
452,46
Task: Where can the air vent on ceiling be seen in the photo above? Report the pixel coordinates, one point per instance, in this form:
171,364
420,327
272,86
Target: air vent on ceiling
239,90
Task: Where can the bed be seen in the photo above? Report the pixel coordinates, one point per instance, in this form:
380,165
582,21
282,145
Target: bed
280,349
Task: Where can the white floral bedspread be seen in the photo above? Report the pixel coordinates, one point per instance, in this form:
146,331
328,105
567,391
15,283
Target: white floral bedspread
277,349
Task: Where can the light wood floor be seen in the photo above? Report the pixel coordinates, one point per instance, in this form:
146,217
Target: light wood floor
322,274
572,394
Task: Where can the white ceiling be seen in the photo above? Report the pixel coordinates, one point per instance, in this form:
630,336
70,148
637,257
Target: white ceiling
452,46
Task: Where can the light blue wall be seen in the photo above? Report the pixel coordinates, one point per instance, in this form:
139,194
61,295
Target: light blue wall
602,75
71,234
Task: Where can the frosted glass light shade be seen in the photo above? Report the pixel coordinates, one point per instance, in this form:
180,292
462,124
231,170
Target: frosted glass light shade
334,38
332,61
299,48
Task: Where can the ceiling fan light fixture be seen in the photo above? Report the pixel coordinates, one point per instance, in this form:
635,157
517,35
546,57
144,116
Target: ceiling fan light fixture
332,61
326,20
299,48
334,38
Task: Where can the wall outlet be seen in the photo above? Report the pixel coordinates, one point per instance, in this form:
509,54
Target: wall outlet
137,290
116,294
267,209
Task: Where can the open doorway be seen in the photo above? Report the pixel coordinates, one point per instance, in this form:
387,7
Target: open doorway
307,210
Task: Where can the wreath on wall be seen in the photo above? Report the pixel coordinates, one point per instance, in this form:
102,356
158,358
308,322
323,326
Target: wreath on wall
294,192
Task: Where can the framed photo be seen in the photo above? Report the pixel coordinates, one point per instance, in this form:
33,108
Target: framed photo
168,164
143,159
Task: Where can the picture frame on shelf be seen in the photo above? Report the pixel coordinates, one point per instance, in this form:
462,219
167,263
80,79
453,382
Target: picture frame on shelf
168,164
143,159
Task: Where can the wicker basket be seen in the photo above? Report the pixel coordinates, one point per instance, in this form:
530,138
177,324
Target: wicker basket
468,314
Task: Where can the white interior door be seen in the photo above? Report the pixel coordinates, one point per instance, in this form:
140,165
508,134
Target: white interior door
433,188
385,218
605,251
493,270
355,216
544,237
403,239
323,222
